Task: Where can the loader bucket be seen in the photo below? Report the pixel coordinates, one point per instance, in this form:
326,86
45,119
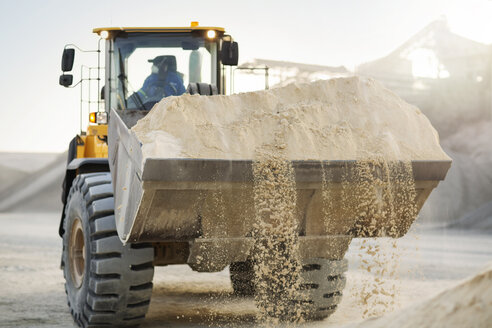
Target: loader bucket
160,199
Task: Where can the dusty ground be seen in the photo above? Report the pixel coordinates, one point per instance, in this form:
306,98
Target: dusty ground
32,294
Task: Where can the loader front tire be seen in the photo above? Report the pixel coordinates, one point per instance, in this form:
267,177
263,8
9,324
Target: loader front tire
107,283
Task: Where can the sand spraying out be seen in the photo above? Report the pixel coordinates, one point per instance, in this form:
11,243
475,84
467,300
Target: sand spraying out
381,195
385,197
277,264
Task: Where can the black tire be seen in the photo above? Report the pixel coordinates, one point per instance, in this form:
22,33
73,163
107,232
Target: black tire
115,286
203,89
321,289
242,278
192,89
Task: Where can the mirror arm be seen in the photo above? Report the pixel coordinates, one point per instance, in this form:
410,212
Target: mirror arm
76,84
79,49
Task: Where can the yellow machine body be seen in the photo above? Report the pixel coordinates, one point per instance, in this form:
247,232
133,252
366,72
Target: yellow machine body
93,144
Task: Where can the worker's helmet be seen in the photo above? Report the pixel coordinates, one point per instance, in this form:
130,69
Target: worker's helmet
169,61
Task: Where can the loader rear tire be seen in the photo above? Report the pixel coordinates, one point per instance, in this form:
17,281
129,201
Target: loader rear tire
320,291
242,278
321,288
107,283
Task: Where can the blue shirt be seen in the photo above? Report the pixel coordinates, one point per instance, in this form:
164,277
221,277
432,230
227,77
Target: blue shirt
155,87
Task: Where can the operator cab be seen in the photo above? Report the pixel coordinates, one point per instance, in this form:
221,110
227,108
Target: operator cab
146,64
146,67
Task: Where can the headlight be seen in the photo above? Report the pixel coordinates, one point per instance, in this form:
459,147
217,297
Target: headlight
102,118
211,34
104,34
98,117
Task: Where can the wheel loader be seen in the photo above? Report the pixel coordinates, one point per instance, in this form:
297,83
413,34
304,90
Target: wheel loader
124,214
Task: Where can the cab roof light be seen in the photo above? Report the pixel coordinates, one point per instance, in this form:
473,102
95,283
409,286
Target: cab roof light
211,34
104,34
194,24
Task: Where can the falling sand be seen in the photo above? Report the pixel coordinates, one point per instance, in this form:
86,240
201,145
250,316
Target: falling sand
277,265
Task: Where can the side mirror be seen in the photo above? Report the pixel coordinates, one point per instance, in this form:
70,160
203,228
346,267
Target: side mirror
66,80
67,60
229,54
102,92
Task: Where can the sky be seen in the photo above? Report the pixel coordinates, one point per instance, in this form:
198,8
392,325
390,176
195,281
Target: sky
38,115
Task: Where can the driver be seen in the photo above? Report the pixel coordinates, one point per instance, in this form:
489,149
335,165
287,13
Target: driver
164,81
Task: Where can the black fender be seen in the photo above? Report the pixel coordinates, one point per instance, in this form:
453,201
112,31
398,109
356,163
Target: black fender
75,167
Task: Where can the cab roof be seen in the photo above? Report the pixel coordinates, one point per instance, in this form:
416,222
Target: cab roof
98,30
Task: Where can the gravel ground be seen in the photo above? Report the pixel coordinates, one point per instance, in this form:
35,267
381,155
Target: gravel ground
32,292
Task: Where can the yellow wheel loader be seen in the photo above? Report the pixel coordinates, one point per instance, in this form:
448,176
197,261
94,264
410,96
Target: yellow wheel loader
124,215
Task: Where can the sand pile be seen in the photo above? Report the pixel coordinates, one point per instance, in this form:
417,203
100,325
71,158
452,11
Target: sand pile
346,118
466,305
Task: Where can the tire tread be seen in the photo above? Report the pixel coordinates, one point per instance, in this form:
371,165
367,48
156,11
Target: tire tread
120,277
